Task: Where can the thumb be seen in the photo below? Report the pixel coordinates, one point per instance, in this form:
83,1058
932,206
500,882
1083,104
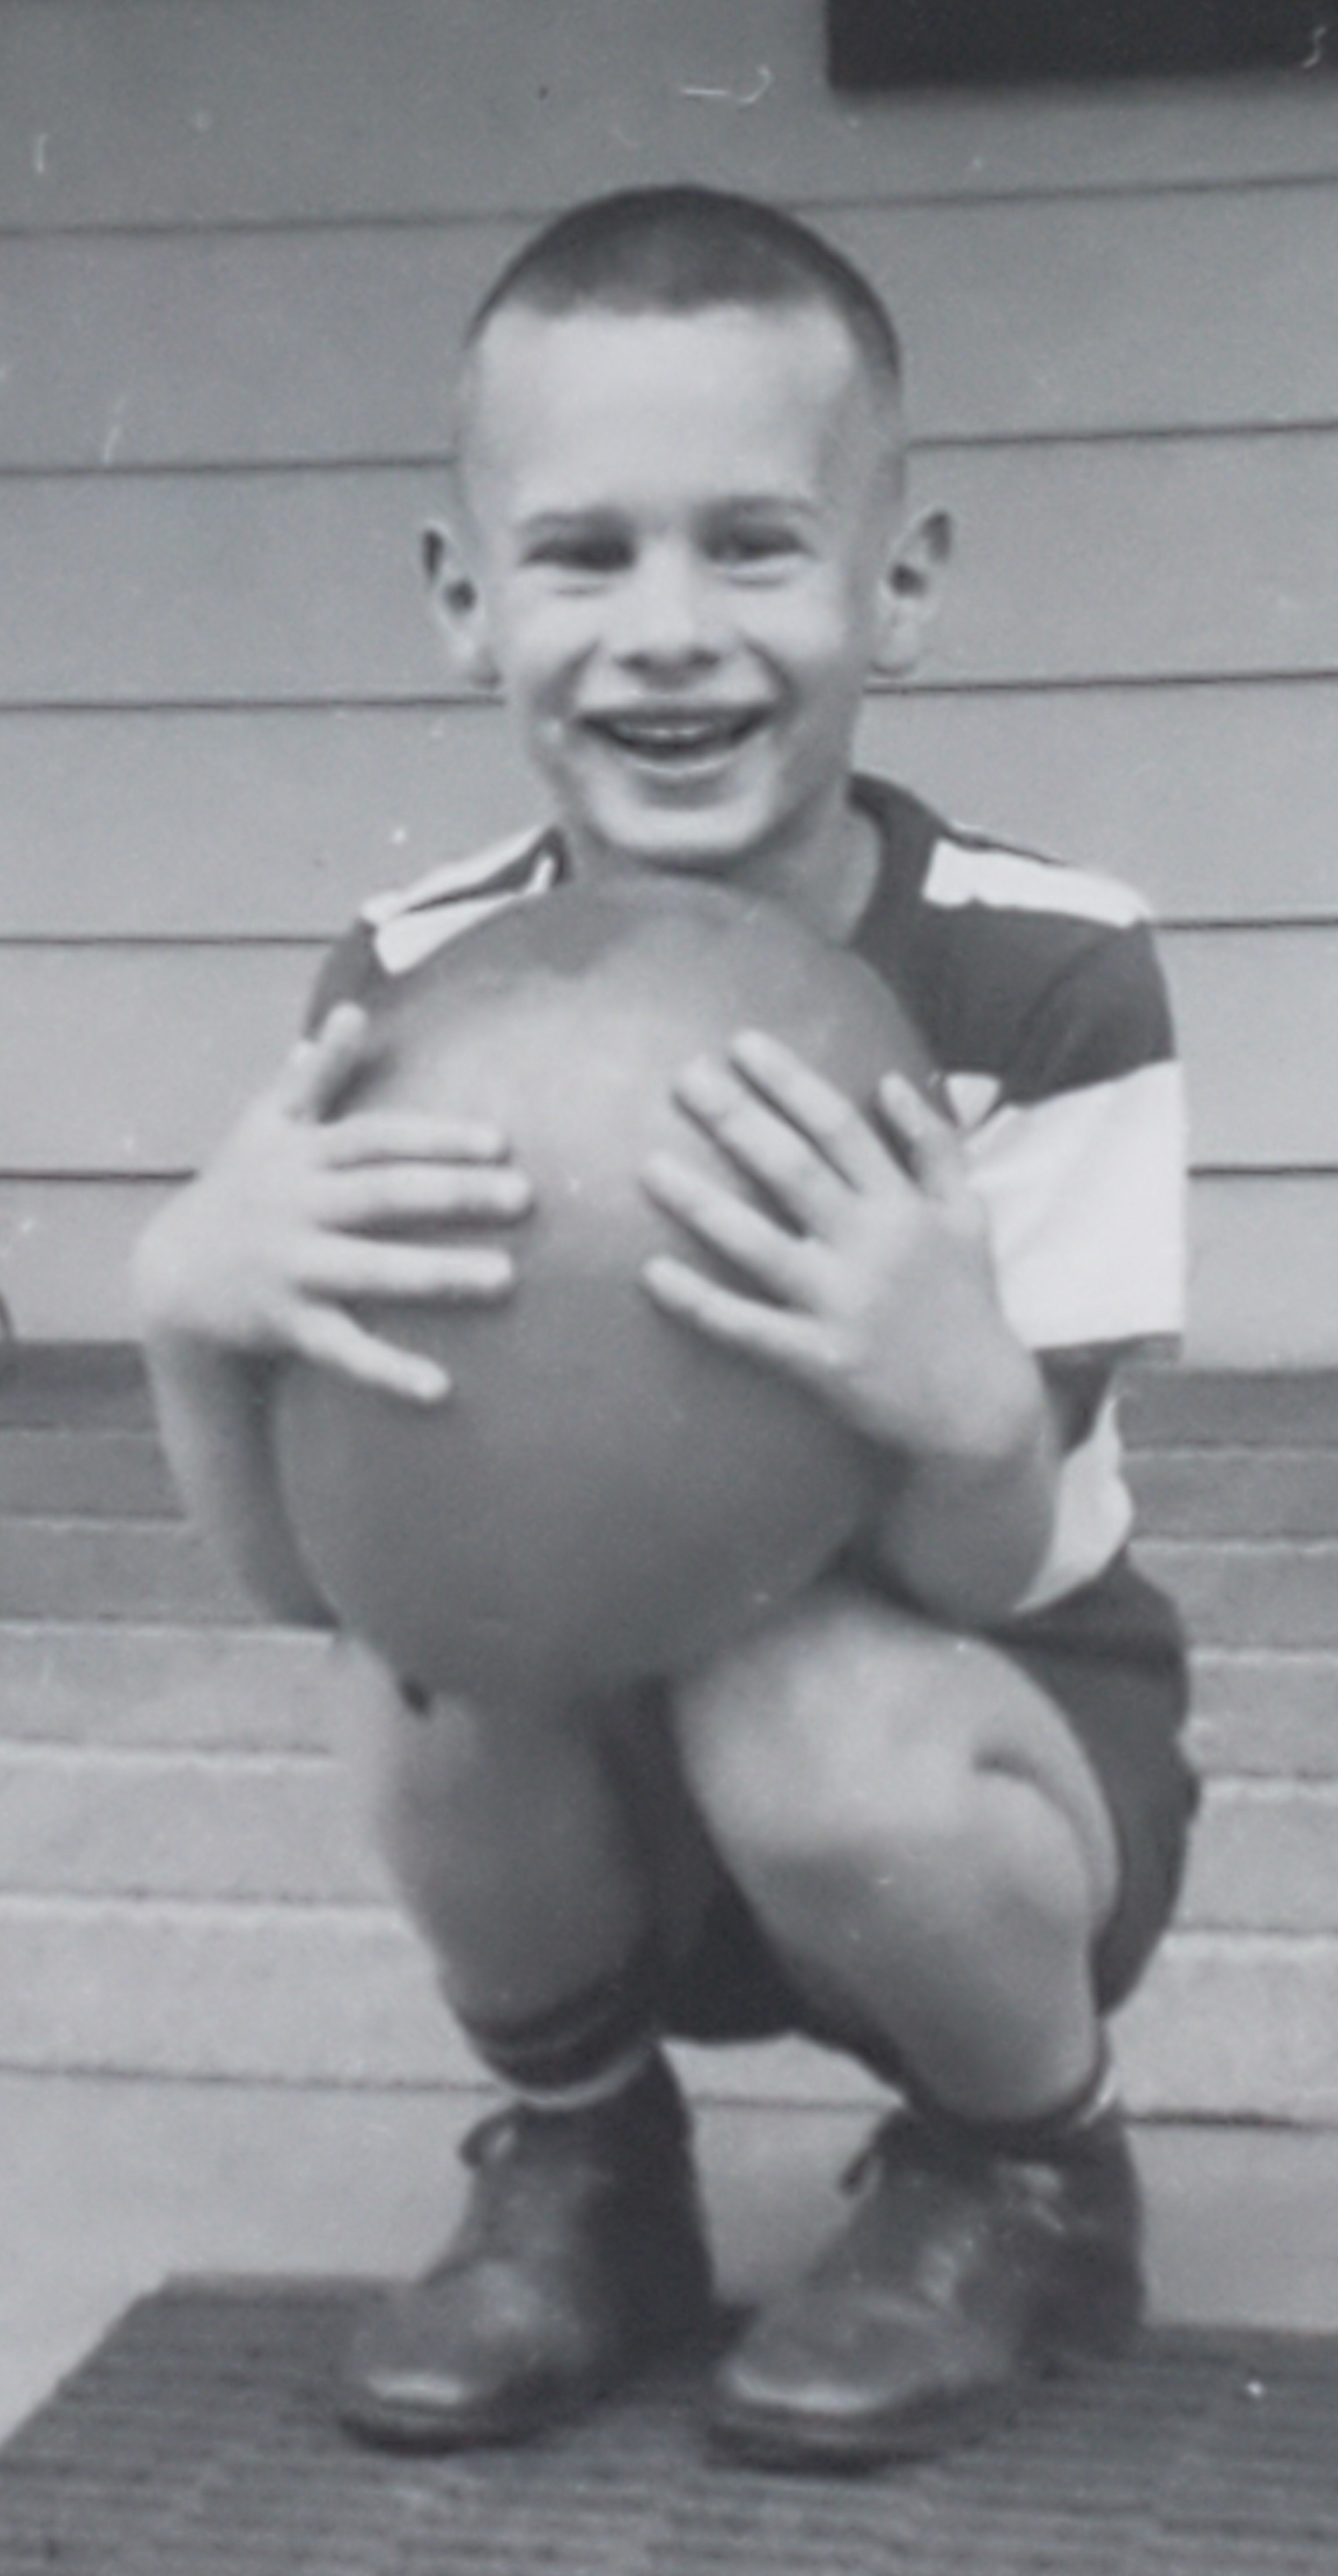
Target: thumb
320,1068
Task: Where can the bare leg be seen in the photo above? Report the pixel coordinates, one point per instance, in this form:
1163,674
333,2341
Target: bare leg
923,1838
928,1847
582,2249
505,1839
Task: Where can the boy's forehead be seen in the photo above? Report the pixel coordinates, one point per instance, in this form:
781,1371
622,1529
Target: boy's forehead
537,382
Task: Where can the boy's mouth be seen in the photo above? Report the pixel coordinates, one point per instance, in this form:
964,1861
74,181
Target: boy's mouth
679,737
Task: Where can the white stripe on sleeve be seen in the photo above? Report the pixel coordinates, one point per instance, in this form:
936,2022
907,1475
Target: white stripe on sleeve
1086,1201
1009,881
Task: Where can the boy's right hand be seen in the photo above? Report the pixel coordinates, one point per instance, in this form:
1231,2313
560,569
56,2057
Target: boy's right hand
294,1221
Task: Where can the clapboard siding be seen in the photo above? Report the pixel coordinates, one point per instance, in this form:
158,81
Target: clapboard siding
154,112
131,1059
1264,1260
65,1249
1259,1032
1264,1267
177,1036
1218,801
1146,558
265,822
334,345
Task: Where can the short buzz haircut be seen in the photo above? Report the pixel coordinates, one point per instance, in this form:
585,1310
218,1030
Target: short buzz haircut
689,250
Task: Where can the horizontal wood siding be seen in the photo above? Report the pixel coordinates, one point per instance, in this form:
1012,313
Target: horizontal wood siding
128,1057
236,245
1140,559
215,111
274,822
300,345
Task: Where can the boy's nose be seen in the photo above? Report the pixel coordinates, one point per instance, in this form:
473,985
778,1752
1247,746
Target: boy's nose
666,616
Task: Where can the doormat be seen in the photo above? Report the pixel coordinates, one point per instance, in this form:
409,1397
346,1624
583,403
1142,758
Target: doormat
198,2441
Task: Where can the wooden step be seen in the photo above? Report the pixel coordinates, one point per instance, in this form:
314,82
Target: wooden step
102,1385
184,1887
1225,1492
1234,2026
57,1384
1266,1711
1226,2026
204,1688
1233,1592
1250,1593
1214,1489
286,1827
63,1473
226,1827
1211,1408
256,1689
111,1570
91,1527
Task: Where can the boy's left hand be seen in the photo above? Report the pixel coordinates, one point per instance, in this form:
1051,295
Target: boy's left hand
869,1262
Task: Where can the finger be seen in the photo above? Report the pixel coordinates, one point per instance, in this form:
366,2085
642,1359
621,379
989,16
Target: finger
336,1341
390,1194
929,1142
823,1113
774,1335
320,1068
771,1256
351,1266
410,1136
762,1143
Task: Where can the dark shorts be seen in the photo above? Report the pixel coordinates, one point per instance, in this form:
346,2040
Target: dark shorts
1112,1658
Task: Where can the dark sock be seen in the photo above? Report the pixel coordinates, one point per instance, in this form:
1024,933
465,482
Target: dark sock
1038,2133
583,2050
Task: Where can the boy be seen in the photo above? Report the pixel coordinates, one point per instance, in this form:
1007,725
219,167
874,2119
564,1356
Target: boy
933,1813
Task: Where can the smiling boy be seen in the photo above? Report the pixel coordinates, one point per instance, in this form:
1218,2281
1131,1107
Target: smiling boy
934,1812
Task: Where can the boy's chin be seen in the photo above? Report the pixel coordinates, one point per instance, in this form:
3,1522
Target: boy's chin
658,845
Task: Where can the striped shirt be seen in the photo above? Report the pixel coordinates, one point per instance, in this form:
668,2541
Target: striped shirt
1039,994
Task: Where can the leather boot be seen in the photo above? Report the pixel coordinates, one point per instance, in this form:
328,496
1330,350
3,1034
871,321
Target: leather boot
964,2269
581,2254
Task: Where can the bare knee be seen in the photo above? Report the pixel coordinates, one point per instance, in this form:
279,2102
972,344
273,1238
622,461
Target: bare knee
850,1738
813,1733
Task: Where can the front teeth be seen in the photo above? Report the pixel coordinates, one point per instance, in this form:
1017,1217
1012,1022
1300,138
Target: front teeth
677,734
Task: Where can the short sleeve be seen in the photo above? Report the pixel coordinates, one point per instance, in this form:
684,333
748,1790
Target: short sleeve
1079,1152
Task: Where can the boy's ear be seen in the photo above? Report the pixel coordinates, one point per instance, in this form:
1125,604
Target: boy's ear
910,591
456,602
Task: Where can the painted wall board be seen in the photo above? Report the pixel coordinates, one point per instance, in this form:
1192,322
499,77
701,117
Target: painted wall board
1219,802
1132,558
131,1058
1265,1260
336,343
187,111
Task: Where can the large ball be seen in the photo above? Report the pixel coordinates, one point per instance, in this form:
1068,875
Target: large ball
603,1495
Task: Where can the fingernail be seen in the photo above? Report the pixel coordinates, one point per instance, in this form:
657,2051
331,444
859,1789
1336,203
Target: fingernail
430,1385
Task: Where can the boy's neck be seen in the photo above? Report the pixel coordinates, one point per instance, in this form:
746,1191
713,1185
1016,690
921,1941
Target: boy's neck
826,878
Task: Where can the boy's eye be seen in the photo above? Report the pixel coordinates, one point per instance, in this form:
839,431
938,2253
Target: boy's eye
593,554
757,544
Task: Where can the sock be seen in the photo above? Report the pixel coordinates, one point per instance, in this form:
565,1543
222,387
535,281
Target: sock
583,2051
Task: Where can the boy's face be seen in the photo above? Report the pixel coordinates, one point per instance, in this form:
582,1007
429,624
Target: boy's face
679,533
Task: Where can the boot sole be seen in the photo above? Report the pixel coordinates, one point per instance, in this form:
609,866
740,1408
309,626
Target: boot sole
524,2418
817,2443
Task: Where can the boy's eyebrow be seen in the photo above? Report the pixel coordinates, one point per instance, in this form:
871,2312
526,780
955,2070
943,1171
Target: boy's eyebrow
607,514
